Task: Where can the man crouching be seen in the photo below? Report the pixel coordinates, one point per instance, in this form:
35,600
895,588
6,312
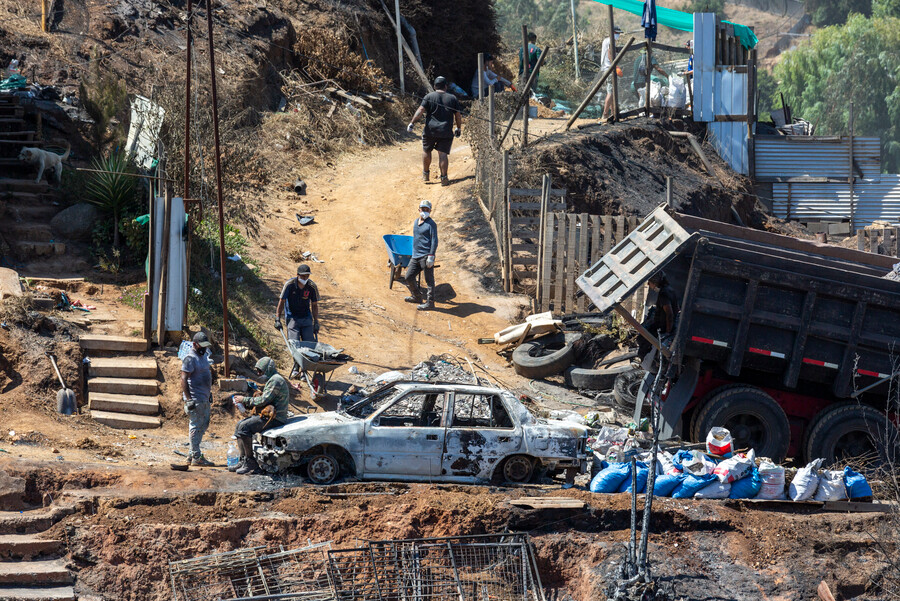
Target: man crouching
268,410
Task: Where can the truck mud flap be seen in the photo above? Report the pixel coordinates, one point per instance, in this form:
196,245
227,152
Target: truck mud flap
679,396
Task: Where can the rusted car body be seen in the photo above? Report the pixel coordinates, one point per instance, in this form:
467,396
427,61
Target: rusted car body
416,431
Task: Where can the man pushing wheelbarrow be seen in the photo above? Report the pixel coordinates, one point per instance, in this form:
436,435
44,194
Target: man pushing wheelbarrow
299,302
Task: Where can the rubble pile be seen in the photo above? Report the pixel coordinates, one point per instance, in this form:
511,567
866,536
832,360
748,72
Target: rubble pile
438,369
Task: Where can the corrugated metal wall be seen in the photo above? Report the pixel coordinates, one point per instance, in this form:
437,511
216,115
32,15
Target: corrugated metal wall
799,156
874,200
730,138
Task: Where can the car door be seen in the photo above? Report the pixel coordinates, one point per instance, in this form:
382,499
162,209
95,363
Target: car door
405,439
480,433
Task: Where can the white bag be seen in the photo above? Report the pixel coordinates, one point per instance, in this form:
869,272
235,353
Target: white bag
665,465
735,468
719,442
772,477
699,464
831,486
676,96
804,484
716,490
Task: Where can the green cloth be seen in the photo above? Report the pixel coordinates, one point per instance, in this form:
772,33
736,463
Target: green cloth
677,19
14,82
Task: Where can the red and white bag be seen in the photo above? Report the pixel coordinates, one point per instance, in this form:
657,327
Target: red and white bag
735,468
719,442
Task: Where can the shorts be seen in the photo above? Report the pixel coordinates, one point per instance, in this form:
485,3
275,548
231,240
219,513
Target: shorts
609,86
430,143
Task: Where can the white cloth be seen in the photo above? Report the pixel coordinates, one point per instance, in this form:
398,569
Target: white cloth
604,52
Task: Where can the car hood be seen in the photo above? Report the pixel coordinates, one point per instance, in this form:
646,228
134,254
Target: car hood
300,423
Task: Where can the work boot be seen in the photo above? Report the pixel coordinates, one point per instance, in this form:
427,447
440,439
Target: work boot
426,306
425,176
234,468
413,300
445,181
250,467
201,461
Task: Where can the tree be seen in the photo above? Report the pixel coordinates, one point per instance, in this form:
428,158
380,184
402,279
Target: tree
835,12
858,62
886,8
706,6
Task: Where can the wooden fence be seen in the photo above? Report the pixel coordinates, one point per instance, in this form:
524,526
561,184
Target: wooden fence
884,241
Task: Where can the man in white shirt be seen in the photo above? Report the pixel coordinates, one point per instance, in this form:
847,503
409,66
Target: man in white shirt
606,52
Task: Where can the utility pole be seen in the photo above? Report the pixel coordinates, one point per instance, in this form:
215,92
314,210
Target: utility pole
575,41
187,107
399,45
215,107
44,16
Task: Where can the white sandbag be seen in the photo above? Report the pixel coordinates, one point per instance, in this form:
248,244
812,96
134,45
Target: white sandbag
735,468
699,464
656,97
831,486
772,477
719,442
677,93
805,482
716,490
664,464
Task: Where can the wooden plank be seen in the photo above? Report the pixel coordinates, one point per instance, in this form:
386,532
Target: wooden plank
858,507
536,206
124,367
547,503
125,420
113,343
571,266
607,233
596,248
560,262
583,234
124,403
536,192
620,229
523,248
123,386
547,259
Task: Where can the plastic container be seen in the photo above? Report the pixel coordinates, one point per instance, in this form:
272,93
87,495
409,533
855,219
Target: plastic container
13,68
234,456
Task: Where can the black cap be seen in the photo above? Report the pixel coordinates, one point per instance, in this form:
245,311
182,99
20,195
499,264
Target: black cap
488,57
440,81
303,269
617,29
202,339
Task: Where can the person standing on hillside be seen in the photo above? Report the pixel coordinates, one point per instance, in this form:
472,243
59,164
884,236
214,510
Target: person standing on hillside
606,62
534,53
299,301
441,110
425,241
196,384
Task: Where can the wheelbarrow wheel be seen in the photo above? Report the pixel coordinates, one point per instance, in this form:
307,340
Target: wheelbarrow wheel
391,275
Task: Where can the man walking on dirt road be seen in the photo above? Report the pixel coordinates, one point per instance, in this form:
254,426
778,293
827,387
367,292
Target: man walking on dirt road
276,396
299,301
196,383
441,110
425,241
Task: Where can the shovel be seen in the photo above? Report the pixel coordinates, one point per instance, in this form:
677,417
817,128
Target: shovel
65,398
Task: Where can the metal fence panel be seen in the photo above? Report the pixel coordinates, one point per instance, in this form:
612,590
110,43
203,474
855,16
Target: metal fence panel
806,156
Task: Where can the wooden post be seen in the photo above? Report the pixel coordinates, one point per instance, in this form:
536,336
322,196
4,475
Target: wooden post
43,16
850,178
649,71
481,76
669,200
542,218
575,40
615,76
525,65
598,85
493,133
399,46
151,267
526,93
410,53
504,179
163,271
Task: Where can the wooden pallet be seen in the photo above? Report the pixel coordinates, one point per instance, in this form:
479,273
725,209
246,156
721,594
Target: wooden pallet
547,503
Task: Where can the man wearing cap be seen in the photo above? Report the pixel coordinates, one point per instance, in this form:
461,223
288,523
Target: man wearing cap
276,394
425,241
606,62
196,382
300,302
441,110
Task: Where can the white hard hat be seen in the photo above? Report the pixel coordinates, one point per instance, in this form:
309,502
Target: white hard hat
426,204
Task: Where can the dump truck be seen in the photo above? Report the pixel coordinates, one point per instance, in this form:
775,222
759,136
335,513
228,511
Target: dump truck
788,343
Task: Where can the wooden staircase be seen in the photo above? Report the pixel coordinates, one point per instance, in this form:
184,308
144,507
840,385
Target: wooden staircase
123,390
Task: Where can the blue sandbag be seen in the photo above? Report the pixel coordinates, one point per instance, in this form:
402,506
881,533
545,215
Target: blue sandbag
608,480
856,483
666,484
747,487
643,472
691,484
679,457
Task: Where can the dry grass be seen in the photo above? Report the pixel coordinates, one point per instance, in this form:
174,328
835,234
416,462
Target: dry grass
14,309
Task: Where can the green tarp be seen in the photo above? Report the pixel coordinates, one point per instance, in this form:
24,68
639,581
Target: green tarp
677,19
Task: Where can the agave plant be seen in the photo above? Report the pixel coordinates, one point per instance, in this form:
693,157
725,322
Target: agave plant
112,187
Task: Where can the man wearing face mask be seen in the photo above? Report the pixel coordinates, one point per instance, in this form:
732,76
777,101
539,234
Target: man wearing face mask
607,55
300,302
277,395
196,382
425,241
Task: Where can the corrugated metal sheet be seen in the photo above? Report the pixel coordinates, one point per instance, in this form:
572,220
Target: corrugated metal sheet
875,201
784,156
730,138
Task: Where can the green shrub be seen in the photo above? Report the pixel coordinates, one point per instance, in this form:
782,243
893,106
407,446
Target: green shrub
113,188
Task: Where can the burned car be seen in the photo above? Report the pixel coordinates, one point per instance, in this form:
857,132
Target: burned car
419,431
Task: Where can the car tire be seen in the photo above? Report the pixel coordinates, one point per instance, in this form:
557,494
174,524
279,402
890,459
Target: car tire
596,379
848,430
323,468
546,356
625,391
517,469
754,419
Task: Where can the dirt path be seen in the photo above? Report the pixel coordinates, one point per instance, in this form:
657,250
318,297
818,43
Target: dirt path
363,198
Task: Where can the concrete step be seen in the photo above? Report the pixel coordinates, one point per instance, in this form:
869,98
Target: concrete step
125,421
99,342
27,522
29,213
46,572
49,593
139,386
26,546
37,143
23,185
124,403
32,248
36,232
124,367
15,197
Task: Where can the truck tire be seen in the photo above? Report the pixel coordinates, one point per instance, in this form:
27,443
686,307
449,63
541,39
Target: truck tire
596,379
849,430
754,419
546,356
625,391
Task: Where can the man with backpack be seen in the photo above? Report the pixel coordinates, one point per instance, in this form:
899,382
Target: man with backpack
442,111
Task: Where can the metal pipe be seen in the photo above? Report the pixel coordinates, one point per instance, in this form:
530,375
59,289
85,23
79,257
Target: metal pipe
215,107
481,76
399,45
187,106
575,40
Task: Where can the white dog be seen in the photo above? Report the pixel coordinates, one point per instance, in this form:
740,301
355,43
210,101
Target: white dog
45,160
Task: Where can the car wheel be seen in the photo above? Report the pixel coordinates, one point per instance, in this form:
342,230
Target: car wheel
518,468
323,469
754,419
596,379
625,391
846,431
546,356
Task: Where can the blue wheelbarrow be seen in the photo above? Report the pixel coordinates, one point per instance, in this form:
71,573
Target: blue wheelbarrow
399,250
